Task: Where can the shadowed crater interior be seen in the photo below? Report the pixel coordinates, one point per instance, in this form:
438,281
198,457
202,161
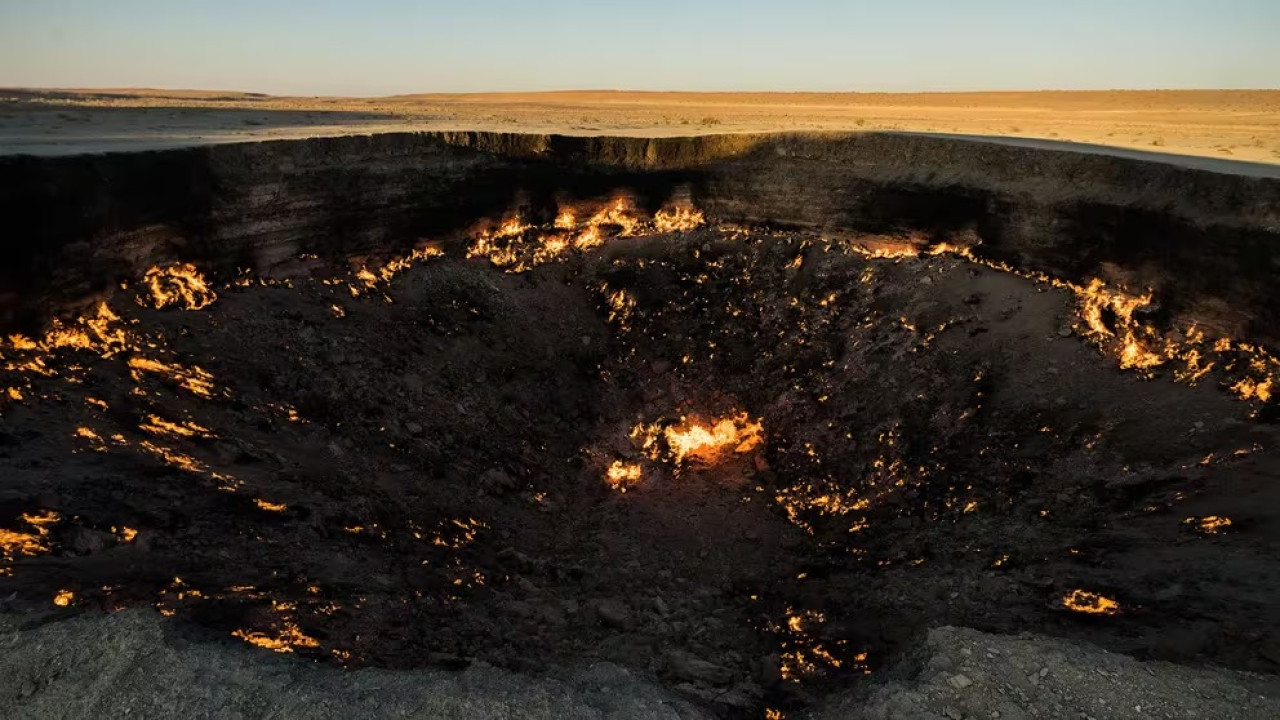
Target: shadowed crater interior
753,460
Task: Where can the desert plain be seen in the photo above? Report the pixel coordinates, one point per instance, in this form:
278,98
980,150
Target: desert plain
1239,125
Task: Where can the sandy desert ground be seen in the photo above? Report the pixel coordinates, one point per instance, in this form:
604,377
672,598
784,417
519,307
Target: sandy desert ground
1223,124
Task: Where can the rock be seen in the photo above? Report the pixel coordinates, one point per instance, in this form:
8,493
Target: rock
686,667
497,479
613,613
1065,332
741,696
770,669
959,681
414,428
83,541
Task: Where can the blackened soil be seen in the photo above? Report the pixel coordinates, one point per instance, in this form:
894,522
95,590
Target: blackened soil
414,477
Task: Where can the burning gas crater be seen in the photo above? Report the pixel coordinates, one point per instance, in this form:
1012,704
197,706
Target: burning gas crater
516,246
773,368
1111,318
691,442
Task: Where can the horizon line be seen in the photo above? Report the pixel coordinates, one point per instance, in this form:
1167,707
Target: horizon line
255,93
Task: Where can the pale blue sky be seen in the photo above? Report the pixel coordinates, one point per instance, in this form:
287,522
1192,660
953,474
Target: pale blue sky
375,47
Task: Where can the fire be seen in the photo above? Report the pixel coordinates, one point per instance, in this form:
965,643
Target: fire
499,244
393,267
678,217
173,458
1211,525
178,285
193,379
803,655
1097,302
1262,370
517,246
88,434
711,442
270,506
621,305
14,543
621,475
619,213
96,332
64,598
159,426
1083,601
1109,318
284,640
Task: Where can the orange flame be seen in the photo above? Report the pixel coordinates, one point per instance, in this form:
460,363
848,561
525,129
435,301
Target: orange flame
178,285
193,379
712,442
620,476
14,543
1083,601
678,217
1211,525
283,640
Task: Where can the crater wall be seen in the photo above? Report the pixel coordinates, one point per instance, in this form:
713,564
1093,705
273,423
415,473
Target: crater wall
1208,243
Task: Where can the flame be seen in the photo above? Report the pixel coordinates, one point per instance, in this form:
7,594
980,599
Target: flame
173,458
1211,525
95,332
802,654
270,506
178,285
14,543
193,379
89,434
393,267
159,426
1263,370
678,217
64,598
620,476
713,441
621,305
517,246
1083,601
499,245
186,463
1108,317
283,640
1096,301
619,213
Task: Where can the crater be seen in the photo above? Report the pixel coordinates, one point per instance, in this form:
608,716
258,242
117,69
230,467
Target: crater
615,405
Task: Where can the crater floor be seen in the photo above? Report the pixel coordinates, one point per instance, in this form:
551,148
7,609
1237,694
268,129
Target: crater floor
755,465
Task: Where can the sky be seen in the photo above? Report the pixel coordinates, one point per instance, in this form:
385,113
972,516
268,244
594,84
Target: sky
383,47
